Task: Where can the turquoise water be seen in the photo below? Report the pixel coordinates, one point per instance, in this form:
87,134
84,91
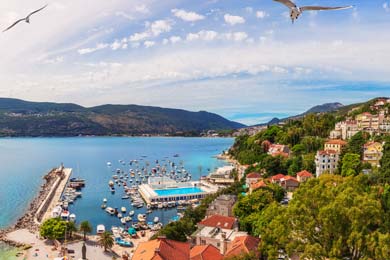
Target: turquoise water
23,162
178,191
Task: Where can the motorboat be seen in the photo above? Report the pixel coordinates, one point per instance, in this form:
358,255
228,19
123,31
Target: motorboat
104,200
110,211
100,229
123,209
141,217
131,213
156,219
72,217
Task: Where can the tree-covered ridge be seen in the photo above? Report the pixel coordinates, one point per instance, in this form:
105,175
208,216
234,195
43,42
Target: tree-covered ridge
23,118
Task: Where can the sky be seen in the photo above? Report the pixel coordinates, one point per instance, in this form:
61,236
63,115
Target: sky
242,59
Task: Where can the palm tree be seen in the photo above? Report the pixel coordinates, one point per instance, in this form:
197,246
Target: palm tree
71,227
106,240
85,227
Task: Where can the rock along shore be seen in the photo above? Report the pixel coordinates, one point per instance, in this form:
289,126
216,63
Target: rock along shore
27,221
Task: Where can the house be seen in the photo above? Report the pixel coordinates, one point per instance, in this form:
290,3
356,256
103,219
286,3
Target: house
252,177
243,245
219,221
289,183
257,185
372,153
304,175
223,175
205,252
162,249
345,129
222,205
220,238
335,145
279,149
326,161
277,178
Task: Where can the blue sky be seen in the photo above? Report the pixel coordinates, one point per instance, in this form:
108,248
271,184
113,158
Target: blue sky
241,59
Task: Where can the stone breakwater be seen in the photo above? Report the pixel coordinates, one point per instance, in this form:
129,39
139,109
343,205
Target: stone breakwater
27,221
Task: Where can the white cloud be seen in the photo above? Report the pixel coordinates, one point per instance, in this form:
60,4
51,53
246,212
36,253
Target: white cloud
149,44
386,6
124,15
99,46
187,16
139,36
236,36
175,39
261,14
202,35
116,45
160,26
142,9
55,60
233,19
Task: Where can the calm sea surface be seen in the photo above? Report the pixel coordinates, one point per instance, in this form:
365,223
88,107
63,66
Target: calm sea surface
23,162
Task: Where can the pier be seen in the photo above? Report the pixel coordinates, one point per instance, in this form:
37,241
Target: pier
54,195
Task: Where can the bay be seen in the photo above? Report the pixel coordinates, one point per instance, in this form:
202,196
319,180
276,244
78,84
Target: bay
23,162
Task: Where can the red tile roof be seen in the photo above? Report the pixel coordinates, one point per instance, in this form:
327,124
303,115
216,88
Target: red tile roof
277,177
253,175
259,184
219,221
288,177
242,245
304,173
336,141
162,249
205,252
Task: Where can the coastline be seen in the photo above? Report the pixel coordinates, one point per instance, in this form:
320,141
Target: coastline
37,209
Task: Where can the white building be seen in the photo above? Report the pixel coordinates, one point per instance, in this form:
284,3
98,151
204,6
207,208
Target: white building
326,161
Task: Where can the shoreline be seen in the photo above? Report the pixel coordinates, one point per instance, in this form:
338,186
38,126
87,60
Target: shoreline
30,220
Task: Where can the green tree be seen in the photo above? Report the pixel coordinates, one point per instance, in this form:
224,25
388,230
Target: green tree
70,228
330,217
106,241
86,228
53,228
351,164
384,172
355,144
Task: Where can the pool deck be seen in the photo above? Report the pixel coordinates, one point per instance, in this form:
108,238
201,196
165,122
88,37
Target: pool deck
149,194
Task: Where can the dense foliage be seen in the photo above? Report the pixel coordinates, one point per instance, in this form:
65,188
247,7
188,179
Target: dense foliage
55,228
329,218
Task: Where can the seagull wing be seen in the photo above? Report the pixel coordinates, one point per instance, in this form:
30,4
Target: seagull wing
287,3
36,11
319,8
15,23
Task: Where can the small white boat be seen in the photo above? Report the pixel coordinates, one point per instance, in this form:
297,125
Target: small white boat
160,205
119,215
100,229
128,219
72,217
110,210
65,215
156,219
131,213
123,209
108,163
111,183
123,221
104,200
141,217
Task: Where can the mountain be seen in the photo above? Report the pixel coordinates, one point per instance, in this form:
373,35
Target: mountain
328,107
24,118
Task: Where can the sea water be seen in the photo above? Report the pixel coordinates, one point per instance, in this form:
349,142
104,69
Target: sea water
23,162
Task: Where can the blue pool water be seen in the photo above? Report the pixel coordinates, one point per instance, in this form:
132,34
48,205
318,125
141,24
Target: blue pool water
178,191
23,162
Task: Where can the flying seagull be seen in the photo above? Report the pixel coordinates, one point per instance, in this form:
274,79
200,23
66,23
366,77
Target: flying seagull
296,11
26,19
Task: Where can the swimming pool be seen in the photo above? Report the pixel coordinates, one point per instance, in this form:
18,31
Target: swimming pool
178,191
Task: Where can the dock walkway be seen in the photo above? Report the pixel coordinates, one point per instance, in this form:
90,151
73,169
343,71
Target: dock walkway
53,197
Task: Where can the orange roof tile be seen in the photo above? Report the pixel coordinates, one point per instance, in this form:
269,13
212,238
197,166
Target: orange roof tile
288,177
277,177
242,245
336,141
304,173
162,249
205,252
219,221
259,184
253,175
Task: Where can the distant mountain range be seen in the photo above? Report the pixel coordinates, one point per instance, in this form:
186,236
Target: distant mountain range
327,107
24,118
